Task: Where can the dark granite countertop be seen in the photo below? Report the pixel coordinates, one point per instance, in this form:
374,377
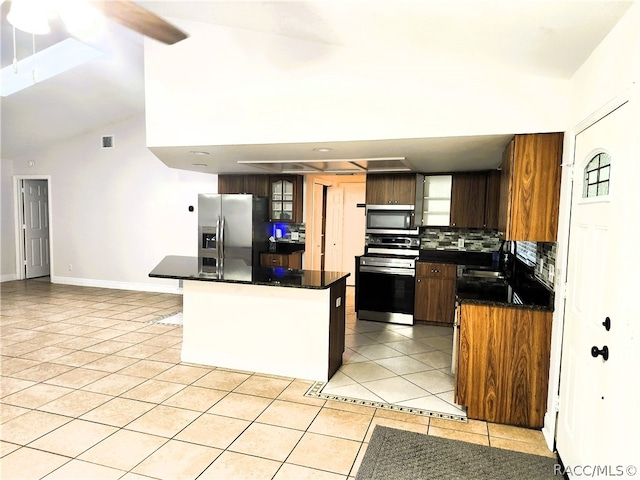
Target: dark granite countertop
518,288
237,271
457,257
502,292
286,248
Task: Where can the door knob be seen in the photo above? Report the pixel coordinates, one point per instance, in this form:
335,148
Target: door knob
607,324
604,352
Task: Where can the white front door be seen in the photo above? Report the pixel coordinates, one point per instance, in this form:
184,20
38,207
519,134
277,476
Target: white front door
36,227
598,419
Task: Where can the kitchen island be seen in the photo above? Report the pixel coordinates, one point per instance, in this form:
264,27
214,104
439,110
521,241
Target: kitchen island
261,319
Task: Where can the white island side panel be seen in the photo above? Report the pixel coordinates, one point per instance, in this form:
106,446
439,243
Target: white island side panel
275,330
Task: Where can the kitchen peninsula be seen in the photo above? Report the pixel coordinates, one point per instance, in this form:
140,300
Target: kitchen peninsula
262,319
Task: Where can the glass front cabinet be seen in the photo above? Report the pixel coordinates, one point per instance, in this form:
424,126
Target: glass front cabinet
286,199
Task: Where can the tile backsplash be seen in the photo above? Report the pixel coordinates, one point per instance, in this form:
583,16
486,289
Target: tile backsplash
546,254
447,238
288,231
533,254
539,255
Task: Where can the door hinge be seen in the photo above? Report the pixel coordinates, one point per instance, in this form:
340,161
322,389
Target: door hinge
571,170
556,404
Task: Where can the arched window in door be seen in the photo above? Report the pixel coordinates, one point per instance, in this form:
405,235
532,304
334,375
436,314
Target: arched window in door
596,176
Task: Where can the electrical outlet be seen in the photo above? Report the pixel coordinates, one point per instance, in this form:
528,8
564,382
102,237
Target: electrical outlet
70,267
461,243
551,273
295,236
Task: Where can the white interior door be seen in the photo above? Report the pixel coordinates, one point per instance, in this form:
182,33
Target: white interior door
36,227
317,230
598,414
333,242
354,223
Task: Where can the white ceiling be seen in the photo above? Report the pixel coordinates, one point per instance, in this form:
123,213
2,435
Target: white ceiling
545,37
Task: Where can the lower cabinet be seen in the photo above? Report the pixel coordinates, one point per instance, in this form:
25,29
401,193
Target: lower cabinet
435,292
502,368
291,260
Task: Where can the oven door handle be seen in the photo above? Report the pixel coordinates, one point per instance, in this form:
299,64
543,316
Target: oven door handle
405,272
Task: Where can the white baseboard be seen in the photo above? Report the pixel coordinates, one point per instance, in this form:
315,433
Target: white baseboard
140,287
9,277
549,429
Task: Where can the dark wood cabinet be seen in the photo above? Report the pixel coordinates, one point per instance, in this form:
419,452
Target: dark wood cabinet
286,198
492,200
255,184
468,197
502,369
530,188
391,189
291,260
435,292
285,193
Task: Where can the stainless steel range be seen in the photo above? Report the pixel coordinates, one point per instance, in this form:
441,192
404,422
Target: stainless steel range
385,278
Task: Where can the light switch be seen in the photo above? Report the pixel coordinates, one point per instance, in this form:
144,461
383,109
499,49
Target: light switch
338,301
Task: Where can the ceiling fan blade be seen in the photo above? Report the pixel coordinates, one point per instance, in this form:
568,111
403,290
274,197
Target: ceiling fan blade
137,18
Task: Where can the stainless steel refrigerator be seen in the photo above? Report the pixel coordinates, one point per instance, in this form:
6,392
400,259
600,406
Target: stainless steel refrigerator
232,230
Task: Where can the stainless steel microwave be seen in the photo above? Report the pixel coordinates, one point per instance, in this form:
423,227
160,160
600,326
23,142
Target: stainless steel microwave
391,219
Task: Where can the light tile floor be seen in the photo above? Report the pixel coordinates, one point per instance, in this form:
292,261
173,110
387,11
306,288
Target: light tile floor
90,389
405,366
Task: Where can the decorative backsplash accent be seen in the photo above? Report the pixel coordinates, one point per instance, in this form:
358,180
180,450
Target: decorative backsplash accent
447,238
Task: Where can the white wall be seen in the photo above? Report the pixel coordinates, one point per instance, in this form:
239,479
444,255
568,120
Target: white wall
7,239
612,70
115,212
231,86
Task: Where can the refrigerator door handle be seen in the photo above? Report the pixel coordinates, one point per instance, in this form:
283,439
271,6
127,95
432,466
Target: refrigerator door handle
222,237
218,237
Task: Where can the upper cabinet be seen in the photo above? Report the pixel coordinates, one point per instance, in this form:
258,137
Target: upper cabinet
468,198
255,184
391,189
492,200
530,188
433,200
284,192
286,198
